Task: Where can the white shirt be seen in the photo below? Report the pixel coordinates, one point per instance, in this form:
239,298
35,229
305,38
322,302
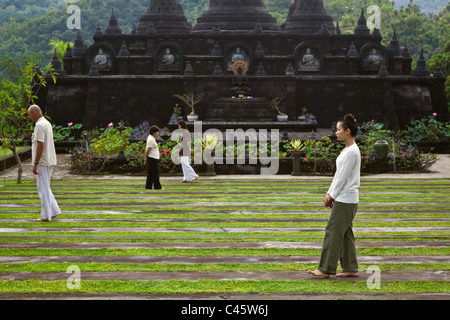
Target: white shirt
153,145
344,187
43,132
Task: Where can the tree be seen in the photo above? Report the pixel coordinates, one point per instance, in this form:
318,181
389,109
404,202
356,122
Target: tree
442,60
17,93
190,99
60,47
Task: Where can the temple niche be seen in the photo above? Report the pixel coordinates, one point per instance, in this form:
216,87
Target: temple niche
306,61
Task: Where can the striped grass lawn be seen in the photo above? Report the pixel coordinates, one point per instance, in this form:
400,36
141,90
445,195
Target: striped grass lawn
402,226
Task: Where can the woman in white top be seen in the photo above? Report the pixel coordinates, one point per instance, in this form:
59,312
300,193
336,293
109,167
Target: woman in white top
343,198
185,154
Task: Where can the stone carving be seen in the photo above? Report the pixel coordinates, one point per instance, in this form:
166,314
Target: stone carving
237,54
240,80
168,60
308,61
102,59
372,60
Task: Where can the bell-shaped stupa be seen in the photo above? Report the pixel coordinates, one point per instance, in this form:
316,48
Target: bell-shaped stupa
166,16
237,15
307,17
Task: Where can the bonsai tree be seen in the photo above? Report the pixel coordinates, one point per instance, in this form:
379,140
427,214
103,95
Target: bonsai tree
304,110
190,99
276,105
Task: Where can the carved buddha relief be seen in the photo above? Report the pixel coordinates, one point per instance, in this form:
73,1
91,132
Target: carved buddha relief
372,59
168,59
308,60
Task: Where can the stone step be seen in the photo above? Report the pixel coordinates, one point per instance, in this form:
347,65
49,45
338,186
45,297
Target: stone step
414,259
220,230
409,275
205,245
286,220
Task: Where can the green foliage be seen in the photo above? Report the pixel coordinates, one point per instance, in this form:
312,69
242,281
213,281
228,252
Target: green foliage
19,36
26,9
18,90
68,133
60,47
83,161
114,139
412,161
27,26
426,129
442,60
426,6
321,155
297,145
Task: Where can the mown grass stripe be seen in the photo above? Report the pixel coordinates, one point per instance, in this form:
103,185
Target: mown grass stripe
223,286
125,267
218,260
376,251
410,275
219,245
287,215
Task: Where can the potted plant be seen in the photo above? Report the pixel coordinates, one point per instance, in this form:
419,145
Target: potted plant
178,113
276,106
191,99
297,150
302,117
210,142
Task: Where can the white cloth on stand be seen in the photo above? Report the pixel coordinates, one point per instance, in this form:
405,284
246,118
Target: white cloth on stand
188,173
50,208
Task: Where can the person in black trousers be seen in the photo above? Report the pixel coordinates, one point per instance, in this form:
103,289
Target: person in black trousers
152,157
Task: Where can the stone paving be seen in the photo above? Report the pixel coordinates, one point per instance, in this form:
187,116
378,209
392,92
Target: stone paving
439,170
411,237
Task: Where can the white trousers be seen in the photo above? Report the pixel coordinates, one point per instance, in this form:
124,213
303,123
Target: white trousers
188,173
50,208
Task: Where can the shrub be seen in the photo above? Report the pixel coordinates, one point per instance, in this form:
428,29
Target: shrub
426,129
69,133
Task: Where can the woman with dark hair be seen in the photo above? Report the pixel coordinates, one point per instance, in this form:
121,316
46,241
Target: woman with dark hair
152,160
342,197
185,154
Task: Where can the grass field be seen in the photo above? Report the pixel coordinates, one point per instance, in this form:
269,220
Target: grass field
220,237
6,152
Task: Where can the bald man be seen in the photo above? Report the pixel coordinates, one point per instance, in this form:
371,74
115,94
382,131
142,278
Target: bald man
44,160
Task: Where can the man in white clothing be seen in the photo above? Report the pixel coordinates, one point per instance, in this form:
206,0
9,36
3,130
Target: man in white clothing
44,160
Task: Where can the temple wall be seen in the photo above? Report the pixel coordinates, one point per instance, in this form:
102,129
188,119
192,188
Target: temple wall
134,99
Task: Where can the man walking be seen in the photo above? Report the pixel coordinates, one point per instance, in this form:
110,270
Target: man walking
44,160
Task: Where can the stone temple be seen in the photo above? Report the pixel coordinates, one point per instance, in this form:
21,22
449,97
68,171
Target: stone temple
306,61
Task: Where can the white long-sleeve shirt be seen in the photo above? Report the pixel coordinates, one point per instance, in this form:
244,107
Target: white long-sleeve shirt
344,187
